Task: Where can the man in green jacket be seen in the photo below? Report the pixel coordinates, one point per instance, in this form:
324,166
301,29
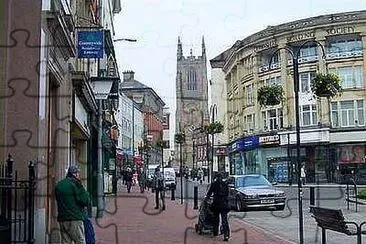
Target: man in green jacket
72,198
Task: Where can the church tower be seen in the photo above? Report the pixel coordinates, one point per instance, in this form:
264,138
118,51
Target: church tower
192,103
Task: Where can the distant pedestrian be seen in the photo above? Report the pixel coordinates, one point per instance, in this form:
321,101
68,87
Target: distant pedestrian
159,185
72,198
303,175
220,205
124,175
129,178
200,175
142,180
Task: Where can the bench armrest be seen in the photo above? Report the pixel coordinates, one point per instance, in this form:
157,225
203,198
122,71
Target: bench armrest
355,224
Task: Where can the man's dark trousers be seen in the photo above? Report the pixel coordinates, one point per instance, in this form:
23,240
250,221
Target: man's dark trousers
157,192
224,223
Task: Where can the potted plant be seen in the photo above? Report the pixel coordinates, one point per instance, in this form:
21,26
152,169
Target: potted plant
326,85
270,95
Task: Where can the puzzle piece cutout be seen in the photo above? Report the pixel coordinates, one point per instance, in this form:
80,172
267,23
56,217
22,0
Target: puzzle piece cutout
22,136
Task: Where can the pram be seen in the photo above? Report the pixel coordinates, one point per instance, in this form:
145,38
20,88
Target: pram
205,217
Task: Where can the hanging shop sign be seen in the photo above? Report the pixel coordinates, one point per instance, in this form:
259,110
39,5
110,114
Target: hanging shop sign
90,44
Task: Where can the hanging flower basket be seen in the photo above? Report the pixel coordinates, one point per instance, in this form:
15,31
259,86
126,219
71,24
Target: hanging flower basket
270,95
214,128
326,85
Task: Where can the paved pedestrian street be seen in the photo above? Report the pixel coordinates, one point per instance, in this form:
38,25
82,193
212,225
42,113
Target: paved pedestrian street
132,219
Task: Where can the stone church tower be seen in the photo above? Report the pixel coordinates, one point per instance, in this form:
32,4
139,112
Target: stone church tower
192,101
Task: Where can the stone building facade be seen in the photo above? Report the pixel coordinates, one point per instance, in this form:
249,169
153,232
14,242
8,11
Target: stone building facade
192,103
151,106
263,139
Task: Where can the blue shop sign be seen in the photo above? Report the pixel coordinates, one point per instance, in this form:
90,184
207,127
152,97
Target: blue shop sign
247,143
90,44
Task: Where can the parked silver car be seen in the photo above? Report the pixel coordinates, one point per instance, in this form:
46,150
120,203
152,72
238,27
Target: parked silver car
248,192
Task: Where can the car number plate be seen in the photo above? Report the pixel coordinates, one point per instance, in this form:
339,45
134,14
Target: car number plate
267,201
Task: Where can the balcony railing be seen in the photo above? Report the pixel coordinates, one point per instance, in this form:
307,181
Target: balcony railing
307,59
265,68
349,54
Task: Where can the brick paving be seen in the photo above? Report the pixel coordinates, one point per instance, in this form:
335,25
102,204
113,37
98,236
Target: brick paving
132,219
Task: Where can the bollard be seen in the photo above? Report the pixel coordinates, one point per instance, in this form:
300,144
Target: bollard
195,196
312,196
172,197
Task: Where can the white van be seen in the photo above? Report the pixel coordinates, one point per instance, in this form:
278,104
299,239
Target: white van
169,177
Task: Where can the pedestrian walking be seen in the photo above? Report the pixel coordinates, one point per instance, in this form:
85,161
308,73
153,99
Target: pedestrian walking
200,175
220,206
142,180
303,174
72,198
159,185
129,178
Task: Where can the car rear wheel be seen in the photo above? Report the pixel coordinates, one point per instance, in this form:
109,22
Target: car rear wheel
239,205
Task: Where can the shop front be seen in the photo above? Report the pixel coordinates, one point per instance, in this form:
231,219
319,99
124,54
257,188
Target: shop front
349,162
109,159
275,159
220,156
244,156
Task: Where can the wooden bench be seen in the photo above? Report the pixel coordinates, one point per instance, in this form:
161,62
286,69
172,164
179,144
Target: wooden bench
333,219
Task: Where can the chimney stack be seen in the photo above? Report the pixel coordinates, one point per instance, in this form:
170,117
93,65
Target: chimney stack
128,75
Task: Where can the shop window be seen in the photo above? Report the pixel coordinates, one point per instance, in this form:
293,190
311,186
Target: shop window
308,115
351,76
305,79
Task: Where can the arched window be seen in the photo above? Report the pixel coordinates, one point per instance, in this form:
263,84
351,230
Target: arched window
192,80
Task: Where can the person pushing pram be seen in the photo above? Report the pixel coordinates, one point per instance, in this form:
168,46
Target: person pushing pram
210,211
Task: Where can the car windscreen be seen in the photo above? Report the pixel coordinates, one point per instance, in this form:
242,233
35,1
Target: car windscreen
169,174
251,181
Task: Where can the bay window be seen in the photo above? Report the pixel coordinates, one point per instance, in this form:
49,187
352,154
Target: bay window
351,76
348,113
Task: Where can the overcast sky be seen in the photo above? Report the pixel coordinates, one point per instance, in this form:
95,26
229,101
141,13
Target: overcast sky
156,24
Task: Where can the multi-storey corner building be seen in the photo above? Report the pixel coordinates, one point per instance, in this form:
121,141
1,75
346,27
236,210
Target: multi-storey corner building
262,139
192,101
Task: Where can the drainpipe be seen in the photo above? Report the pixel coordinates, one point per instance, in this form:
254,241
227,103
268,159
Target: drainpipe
100,193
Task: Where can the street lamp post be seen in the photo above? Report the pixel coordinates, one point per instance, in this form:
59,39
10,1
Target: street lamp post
179,138
295,55
207,157
213,109
194,153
